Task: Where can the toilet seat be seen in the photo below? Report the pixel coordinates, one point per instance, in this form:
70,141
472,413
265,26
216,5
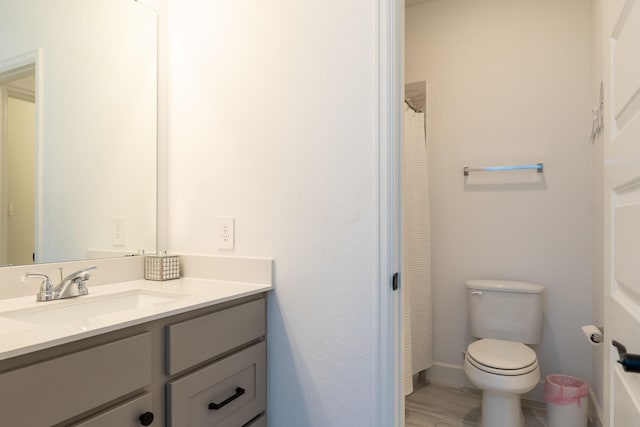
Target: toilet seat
501,357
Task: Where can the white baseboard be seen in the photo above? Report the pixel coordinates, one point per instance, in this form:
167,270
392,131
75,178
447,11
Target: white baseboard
595,410
448,374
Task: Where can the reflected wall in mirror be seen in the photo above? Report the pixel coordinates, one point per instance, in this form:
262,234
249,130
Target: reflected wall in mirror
89,153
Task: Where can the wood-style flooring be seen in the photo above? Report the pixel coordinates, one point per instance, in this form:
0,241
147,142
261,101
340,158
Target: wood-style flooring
432,405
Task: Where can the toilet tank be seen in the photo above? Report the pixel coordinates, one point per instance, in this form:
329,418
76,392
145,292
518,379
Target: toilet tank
505,310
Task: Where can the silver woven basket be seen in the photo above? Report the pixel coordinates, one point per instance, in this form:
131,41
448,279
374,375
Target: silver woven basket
161,267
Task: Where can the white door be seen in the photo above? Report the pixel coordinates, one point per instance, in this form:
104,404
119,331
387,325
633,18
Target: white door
622,207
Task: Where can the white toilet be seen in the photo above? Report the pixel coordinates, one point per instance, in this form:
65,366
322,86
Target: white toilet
505,315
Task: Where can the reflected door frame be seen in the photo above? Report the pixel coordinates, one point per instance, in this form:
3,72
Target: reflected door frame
11,69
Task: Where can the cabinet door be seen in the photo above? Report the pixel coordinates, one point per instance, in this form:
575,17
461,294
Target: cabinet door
228,393
56,390
133,413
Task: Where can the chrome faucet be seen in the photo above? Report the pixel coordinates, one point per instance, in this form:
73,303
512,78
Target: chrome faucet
71,286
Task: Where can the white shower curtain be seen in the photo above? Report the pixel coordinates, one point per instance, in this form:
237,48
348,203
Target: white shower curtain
416,251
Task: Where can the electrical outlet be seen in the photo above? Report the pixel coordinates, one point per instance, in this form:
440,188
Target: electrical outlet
119,231
225,232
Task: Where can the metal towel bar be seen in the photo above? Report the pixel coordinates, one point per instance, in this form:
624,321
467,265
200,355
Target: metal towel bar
538,166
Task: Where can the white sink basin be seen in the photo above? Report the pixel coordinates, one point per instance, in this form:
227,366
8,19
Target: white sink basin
81,309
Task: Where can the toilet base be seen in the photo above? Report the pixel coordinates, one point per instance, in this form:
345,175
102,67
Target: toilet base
501,409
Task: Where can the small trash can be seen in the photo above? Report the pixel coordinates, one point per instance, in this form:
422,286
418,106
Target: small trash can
566,399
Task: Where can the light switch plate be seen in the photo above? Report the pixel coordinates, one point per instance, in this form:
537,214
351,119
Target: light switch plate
225,232
119,231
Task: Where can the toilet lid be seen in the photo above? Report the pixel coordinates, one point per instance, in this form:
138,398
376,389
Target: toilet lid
503,355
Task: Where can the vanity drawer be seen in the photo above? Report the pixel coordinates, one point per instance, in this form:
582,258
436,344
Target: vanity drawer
125,415
197,340
50,392
237,384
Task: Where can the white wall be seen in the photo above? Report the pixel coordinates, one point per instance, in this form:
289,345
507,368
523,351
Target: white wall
509,83
99,118
272,119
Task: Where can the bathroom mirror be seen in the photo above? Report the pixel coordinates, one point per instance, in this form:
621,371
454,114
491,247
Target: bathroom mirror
81,76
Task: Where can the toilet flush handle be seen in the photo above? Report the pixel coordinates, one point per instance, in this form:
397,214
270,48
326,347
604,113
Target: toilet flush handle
479,293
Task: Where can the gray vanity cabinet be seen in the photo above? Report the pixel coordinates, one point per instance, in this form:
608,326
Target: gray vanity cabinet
168,370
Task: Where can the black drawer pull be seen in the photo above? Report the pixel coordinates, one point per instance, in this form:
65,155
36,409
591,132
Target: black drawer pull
216,406
146,419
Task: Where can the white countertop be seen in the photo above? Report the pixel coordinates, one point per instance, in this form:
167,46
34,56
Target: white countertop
18,337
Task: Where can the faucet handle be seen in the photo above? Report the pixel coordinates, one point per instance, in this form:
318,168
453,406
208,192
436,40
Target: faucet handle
47,292
35,275
76,281
91,267
82,274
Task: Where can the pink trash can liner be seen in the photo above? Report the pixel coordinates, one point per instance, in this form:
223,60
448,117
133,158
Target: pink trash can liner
564,389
